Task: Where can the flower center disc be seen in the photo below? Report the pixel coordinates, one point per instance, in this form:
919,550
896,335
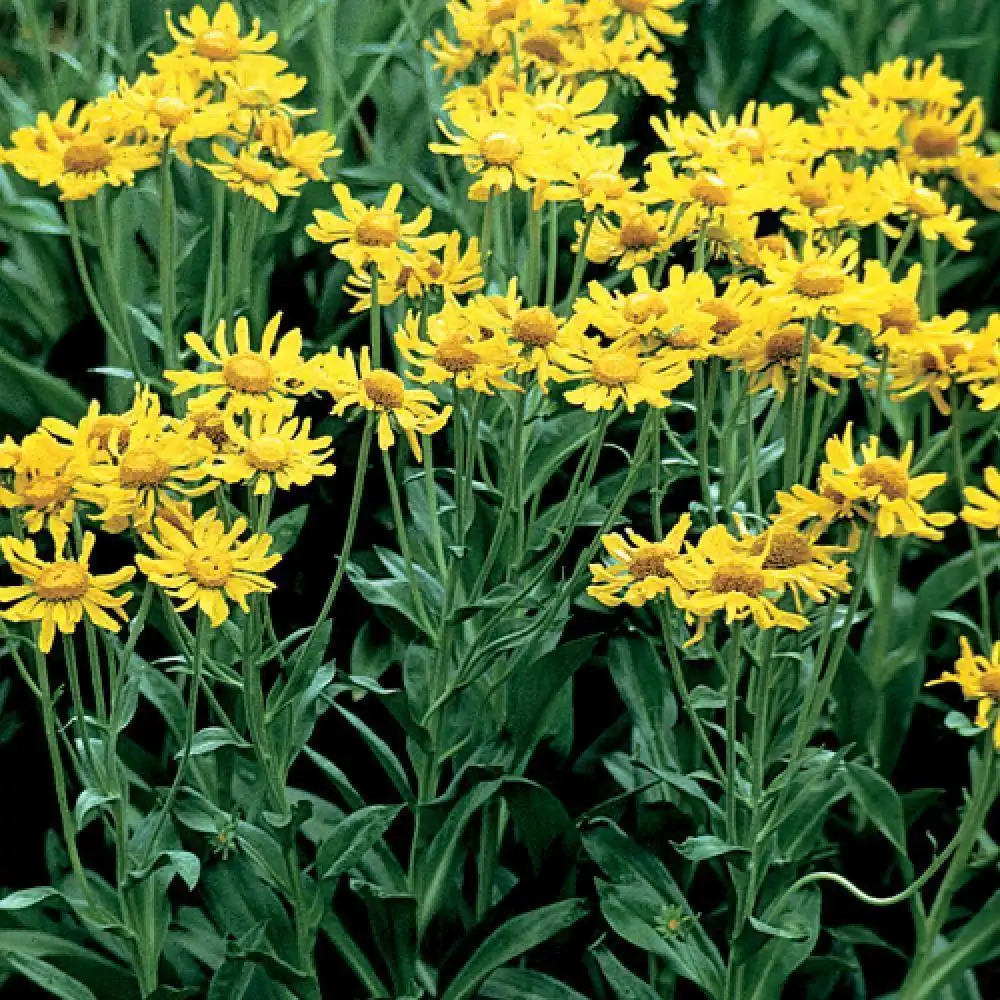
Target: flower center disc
816,280
385,388
902,315
643,306
500,149
606,181
785,345
84,156
933,141
143,467
219,45
638,233
925,202
171,111
268,453
210,569
500,10
812,194
248,372
62,581
788,548
545,45
455,356
989,684
727,318
888,475
711,190
45,491
751,139
648,562
738,578
536,327
616,370
378,229
634,6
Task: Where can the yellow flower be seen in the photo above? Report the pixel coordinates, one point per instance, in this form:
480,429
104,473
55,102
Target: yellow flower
632,52
364,235
156,461
594,177
211,46
450,347
630,316
92,437
926,361
981,176
912,199
982,508
639,236
654,14
620,374
979,678
720,574
906,81
878,489
384,393
204,564
821,283
247,379
936,138
639,570
855,120
979,367
45,474
58,594
828,197
80,157
305,152
773,358
274,452
247,172
897,310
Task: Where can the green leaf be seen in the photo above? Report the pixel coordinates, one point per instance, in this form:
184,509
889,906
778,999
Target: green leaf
24,898
526,984
519,935
31,393
626,985
50,978
704,847
879,802
353,838
825,26
285,530
769,967
978,941
210,739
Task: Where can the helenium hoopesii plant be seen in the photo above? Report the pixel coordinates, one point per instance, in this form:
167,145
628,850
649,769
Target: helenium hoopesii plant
676,430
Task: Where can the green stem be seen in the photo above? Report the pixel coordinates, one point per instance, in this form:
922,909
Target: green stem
375,318
168,293
552,255
580,264
732,691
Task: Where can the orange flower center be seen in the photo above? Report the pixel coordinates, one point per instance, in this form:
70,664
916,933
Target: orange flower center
210,424
785,345
110,428
888,475
643,306
812,194
218,45
683,337
788,548
935,140
378,229
651,561
143,467
638,233
268,453
62,581
536,327
546,45
500,149
611,184
385,388
902,315
171,111
83,156
817,280
613,370
45,491
454,355
751,139
247,371
727,318
212,570
254,170
500,10
775,244
924,202
989,684
711,190
738,578
634,6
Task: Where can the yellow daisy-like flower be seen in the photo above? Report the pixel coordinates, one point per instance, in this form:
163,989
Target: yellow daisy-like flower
79,156
629,316
821,283
854,120
979,678
45,474
936,138
981,176
654,14
58,594
878,489
719,574
982,507
638,236
451,347
249,173
912,81
274,452
306,152
211,46
620,374
363,235
206,565
384,393
247,379
639,570
927,361
773,359
92,437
